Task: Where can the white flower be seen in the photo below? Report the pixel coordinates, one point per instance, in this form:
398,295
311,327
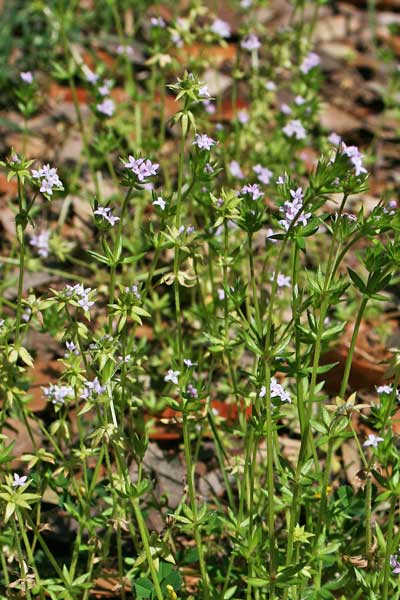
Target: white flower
172,376
384,389
41,242
311,60
160,202
295,129
373,440
26,76
19,480
221,28
189,363
203,141
107,107
235,169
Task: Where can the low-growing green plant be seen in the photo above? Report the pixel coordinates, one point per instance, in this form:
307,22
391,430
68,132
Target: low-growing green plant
235,255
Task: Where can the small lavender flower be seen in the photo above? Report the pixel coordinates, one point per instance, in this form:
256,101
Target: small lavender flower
221,294
191,390
125,50
282,179
311,60
203,91
160,202
250,42
157,22
285,109
295,129
253,190
105,213
133,289
26,76
91,77
19,480
283,280
172,376
235,169
270,86
58,394
334,139
104,89
26,315
203,141
209,107
41,242
221,28
299,100
373,440
278,391
176,39
189,363
107,107
71,349
92,388
263,174
141,167
243,117
395,563
384,389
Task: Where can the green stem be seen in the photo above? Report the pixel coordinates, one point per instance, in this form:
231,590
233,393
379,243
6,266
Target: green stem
193,505
144,534
389,540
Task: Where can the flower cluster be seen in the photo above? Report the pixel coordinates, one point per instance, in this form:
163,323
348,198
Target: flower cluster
57,394
276,390
141,167
311,60
355,157
235,169
252,190
263,174
250,42
41,242
395,563
81,294
105,213
106,107
293,208
221,28
295,129
48,179
91,389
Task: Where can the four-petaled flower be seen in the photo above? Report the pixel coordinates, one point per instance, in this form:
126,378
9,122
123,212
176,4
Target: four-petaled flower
203,141
373,440
172,376
107,107
19,480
